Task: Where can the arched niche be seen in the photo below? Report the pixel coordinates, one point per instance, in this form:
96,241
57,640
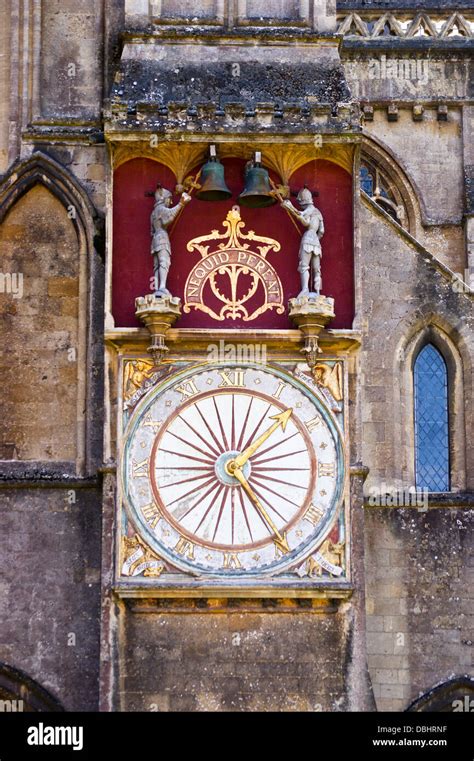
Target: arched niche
49,235
132,267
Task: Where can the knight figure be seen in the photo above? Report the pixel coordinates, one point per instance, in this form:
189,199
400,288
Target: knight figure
310,249
162,216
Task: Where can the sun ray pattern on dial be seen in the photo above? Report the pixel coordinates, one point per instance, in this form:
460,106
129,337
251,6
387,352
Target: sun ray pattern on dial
213,507
240,473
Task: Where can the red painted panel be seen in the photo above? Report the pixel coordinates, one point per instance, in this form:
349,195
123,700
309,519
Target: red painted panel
335,204
133,265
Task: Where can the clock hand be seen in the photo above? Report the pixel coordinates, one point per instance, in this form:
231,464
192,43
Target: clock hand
280,540
280,420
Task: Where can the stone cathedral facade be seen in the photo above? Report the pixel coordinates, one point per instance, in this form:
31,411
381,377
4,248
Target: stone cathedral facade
237,260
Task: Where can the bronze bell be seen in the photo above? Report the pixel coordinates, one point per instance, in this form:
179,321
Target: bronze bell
256,193
213,187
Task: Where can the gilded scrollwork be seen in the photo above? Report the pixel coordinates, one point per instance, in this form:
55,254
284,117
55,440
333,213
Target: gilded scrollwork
138,559
232,257
181,158
233,237
286,159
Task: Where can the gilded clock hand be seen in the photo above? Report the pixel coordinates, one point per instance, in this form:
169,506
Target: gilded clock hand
280,539
280,420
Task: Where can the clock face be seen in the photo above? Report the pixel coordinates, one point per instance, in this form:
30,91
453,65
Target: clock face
232,471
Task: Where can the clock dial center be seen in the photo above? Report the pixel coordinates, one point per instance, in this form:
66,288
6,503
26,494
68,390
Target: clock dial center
225,466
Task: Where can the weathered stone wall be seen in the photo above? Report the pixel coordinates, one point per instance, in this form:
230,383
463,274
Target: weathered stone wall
50,589
418,564
412,5
52,352
88,165
439,176
403,291
320,14
234,662
4,85
397,76
71,59
429,145
420,622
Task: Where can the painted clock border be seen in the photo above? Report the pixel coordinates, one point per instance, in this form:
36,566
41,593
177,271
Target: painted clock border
234,580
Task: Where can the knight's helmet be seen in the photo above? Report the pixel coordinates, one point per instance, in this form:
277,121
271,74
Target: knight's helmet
305,197
161,194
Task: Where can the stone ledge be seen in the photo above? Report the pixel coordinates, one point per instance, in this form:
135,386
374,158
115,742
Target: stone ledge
293,595
222,34
22,475
196,339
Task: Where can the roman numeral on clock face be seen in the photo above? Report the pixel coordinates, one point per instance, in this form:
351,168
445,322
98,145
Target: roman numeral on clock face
148,422
231,560
140,469
327,469
187,389
232,378
280,388
313,423
185,547
151,513
313,514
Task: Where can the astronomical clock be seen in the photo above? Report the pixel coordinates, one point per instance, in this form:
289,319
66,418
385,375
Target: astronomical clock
232,388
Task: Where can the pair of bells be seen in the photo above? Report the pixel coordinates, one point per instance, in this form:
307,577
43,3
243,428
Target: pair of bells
256,193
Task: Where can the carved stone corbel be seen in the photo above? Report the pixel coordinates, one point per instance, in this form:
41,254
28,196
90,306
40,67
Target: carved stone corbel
158,314
311,315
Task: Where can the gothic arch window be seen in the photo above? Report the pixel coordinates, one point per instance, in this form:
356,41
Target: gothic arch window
385,193
387,183
456,370
431,412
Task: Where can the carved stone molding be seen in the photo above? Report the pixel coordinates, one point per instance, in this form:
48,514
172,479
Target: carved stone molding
283,158
436,26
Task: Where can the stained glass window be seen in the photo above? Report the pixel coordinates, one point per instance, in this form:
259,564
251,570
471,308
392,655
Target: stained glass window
431,421
366,181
